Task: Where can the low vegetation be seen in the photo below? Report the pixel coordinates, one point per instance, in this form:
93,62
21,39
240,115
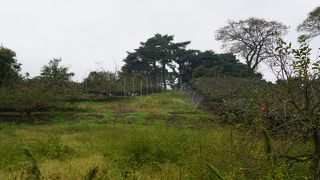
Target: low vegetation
157,136
127,124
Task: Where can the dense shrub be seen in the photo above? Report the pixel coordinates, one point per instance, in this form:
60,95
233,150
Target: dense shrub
249,101
26,97
231,97
34,95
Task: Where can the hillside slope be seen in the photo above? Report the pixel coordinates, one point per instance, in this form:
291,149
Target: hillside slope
159,136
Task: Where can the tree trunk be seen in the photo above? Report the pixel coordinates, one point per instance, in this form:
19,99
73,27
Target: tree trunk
154,71
180,76
316,155
164,76
250,72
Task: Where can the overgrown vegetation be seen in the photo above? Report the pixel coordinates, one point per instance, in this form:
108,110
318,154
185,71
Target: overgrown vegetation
127,125
288,108
158,136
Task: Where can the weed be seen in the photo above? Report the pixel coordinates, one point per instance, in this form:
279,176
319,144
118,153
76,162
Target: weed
32,171
92,173
163,141
53,149
215,171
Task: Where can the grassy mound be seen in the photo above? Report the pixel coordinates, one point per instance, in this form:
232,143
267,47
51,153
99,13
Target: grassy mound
159,136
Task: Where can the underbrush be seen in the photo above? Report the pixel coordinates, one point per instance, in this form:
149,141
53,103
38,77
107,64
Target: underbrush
139,151
163,138
230,97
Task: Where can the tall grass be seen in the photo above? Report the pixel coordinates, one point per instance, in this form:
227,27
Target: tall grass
163,139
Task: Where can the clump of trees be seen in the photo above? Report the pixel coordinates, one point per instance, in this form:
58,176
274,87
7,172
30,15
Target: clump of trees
26,95
101,82
162,60
155,64
288,108
153,57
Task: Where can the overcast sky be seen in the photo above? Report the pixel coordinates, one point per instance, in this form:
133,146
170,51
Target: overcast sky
88,34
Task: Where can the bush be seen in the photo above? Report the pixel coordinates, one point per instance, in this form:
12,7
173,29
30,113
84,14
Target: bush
32,95
230,97
25,98
248,101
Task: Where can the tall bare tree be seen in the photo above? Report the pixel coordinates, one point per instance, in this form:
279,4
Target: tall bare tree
251,39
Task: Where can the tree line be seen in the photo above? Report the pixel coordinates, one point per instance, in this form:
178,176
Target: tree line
290,106
160,61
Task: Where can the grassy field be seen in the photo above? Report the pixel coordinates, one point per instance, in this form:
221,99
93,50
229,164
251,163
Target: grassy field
159,136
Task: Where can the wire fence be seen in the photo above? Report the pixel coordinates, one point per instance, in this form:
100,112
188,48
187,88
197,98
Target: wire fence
196,98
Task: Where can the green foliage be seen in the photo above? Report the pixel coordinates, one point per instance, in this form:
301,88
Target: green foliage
228,117
311,25
171,147
302,92
11,154
289,108
27,97
268,149
58,78
42,93
101,83
154,151
231,96
32,171
209,64
215,172
9,67
157,53
159,49
53,149
55,73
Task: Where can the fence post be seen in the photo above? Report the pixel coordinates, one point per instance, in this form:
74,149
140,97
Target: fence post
147,85
124,88
133,89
